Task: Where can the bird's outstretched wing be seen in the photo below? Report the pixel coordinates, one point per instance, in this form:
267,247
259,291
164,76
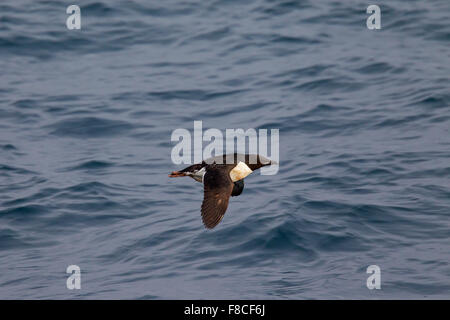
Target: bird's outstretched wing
217,191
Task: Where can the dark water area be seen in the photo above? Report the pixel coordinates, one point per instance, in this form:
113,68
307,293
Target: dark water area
86,118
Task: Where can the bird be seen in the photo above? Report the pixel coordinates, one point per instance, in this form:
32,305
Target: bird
222,176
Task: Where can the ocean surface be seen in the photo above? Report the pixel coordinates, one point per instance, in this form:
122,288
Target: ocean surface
86,118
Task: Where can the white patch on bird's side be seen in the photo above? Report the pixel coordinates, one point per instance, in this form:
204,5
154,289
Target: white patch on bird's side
240,172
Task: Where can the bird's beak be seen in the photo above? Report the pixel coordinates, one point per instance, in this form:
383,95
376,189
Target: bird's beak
176,174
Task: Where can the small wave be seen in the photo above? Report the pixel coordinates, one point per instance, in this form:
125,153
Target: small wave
90,127
91,165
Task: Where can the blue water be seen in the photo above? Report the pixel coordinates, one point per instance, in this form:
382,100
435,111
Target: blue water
86,118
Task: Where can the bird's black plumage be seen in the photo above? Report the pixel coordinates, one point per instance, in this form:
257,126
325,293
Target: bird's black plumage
222,177
238,188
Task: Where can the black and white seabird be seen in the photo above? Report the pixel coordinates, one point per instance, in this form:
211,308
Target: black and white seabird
222,177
